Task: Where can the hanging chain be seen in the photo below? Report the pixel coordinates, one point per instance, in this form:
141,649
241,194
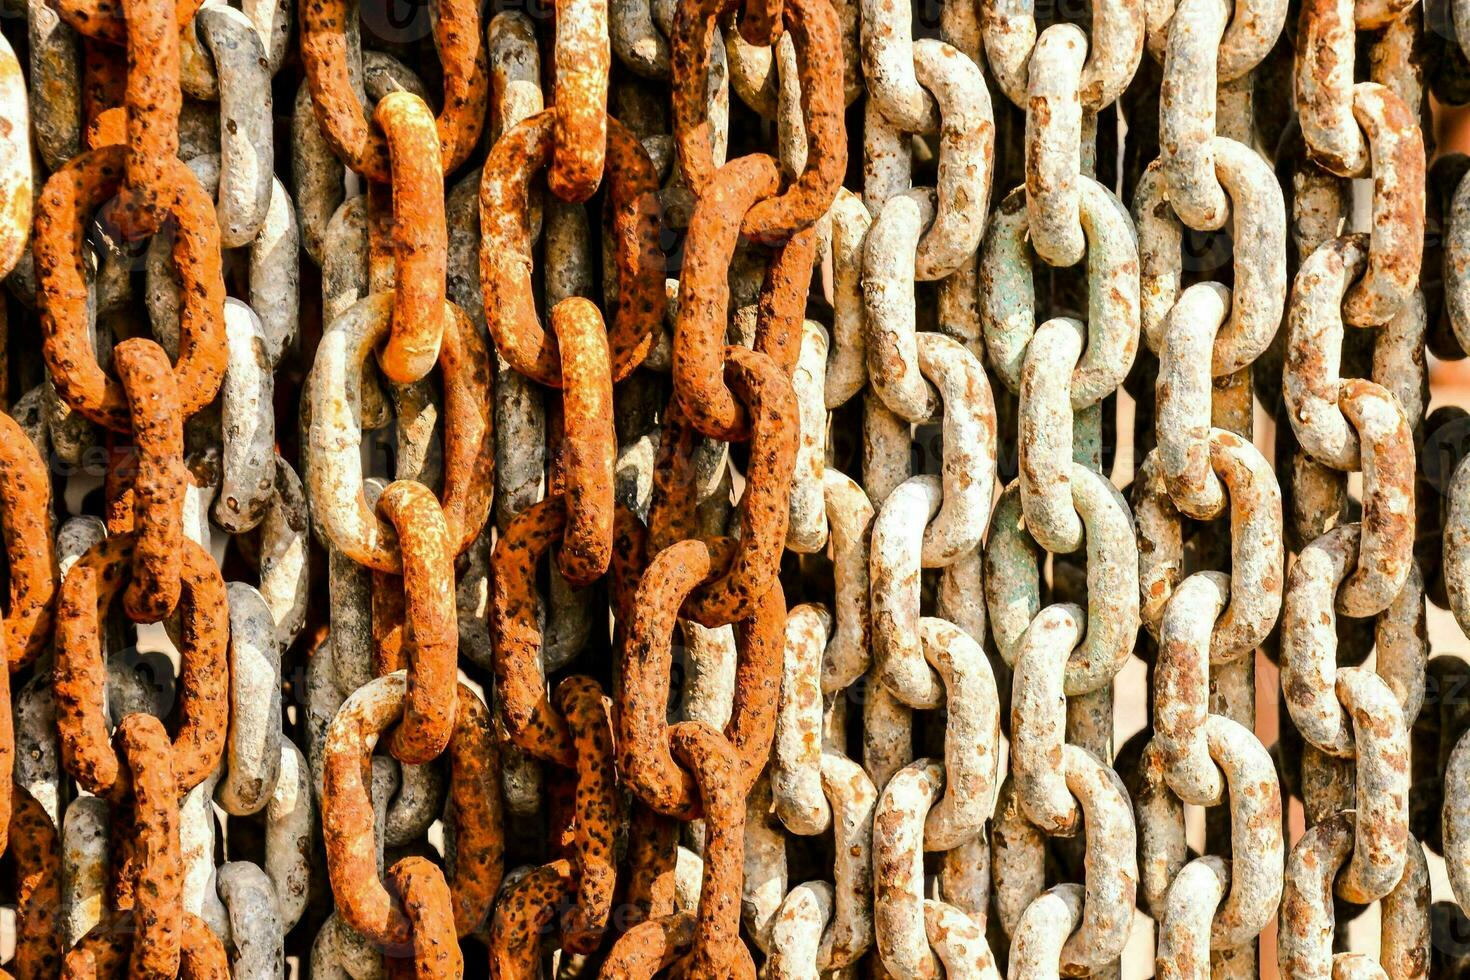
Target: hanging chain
969,505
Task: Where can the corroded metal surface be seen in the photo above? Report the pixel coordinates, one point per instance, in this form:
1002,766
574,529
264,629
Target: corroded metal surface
822,546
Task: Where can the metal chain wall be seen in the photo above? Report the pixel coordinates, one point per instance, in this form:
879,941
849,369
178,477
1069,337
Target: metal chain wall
730,488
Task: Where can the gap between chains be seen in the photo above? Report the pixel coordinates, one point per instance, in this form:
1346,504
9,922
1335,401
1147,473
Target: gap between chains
733,488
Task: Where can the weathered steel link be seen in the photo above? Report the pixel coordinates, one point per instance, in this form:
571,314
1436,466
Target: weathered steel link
327,49
1098,930
70,196
814,30
334,472
16,177
1008,303
419,237
505,251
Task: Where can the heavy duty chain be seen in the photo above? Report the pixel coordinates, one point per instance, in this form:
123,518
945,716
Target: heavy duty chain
759,549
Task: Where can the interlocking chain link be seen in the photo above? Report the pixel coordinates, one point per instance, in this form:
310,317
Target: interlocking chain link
969,505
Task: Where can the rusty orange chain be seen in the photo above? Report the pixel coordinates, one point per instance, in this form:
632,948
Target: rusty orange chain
802,562
394,562
131,172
